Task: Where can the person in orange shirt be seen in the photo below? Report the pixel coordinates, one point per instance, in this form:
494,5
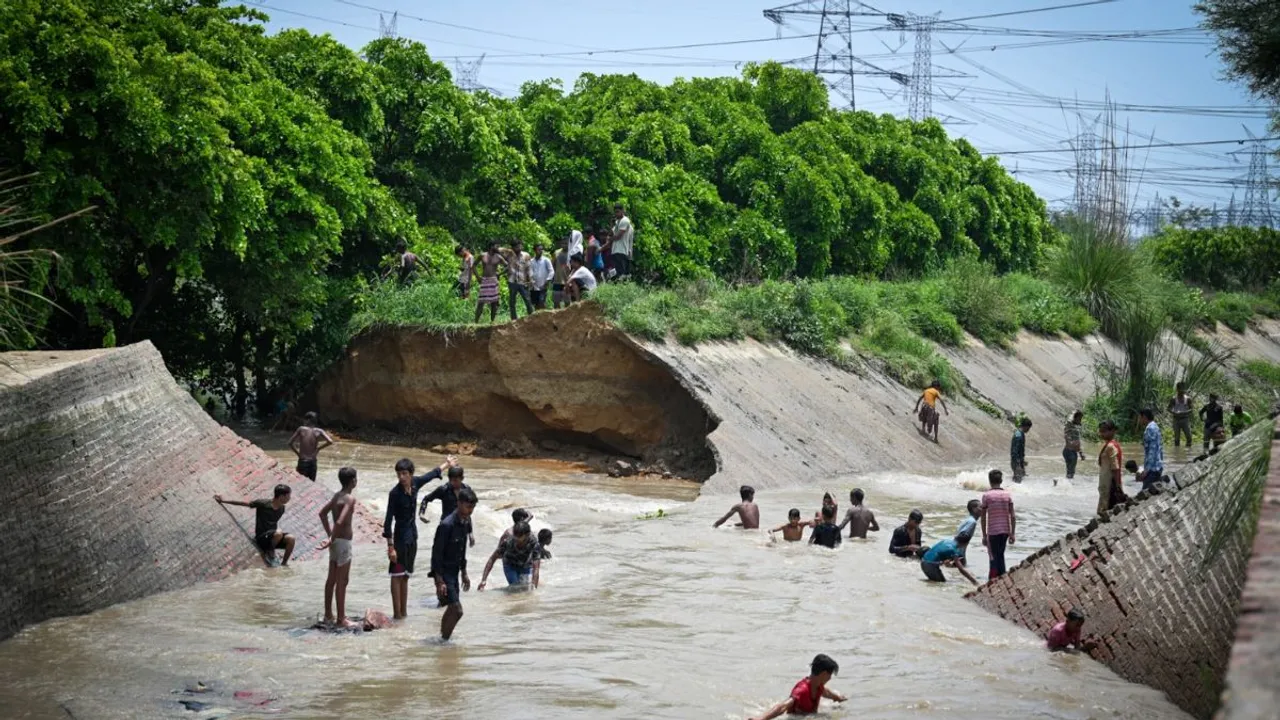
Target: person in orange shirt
927,411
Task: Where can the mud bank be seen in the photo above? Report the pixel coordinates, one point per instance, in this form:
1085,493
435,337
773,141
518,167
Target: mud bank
524,389
110,472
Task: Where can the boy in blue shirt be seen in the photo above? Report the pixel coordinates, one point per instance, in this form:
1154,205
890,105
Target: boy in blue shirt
949,552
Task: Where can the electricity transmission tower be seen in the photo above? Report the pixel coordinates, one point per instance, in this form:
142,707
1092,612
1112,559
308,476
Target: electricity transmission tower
1257,198
387,30
834,58
921,89
467,74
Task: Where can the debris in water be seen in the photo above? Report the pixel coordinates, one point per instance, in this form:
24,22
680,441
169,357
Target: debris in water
653,515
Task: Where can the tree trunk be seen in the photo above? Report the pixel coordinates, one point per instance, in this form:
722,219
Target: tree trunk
261,358
237,360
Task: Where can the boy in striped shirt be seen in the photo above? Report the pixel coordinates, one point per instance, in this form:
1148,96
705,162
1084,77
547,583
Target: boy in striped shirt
998,521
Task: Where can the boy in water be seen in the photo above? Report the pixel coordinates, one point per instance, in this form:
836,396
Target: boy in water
1211,414
342,506
1018,450
521,558
747,510
448,495
858,518
793,531
266,530
999,523
927,411
1240,420
1180,410
906,538
401,530
544,540
826,533
487,271
947,552
1066,635
307,442
1071,448
808,693
449,559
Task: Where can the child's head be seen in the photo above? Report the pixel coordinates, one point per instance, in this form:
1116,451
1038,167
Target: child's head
404,469
823,669
401,246
1239,410
544,537
1181,387
1131,466
995,478
936,384
827,500
1213,397
793,515
460,250
283,493
520,515
856,496
347,476
915,518
455,477
1147,415
310,418
1025,425
975,507
467,503
1075,618
828,513
747,493
1106,430
1077,417
521,532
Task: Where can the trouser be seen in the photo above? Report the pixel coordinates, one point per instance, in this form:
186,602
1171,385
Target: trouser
933,571
1181,428
1019,470
1072,457
1150,478
996,544
1105,481
1207,428
621,263
514,290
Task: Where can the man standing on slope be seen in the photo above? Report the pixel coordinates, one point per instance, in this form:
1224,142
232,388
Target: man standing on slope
621,242
1018,450
926,409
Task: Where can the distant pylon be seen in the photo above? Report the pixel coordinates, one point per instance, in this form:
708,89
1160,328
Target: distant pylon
467,74
1257,198
921,90
388,29
834,59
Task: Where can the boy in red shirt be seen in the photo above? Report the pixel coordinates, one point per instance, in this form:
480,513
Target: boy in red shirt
808,693
1066,635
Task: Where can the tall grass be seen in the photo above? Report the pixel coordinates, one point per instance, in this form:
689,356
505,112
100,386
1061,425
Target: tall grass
429,304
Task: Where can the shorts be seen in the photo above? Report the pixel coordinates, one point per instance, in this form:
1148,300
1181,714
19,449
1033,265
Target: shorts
340,552
307,469
928,414
403,566
517,576
933,571
453,591
557,293
1019,470
267,542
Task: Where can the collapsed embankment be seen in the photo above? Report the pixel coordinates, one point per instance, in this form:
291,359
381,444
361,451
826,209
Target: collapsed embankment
1161,608
109,474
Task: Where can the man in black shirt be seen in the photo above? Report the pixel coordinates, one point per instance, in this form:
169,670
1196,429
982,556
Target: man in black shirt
1212,415
401,530
906,539
447,495
449,559
266,525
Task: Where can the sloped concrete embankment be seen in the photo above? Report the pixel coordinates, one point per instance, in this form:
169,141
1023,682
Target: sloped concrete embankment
557,378
110,471
1164,614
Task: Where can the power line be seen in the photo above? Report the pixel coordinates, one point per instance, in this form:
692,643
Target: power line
1136,147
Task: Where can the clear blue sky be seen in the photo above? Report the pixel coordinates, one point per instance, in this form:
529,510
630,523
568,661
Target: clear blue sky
1187,74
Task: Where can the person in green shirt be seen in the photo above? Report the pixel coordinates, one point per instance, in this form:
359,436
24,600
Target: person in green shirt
1240,420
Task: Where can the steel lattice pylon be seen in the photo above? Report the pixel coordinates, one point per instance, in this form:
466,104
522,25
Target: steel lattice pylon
1257,199
834,59
921,90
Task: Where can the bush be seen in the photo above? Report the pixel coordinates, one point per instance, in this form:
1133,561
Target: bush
970,290
907,357
1264,371
1233,310
1078,323
859,299
430,304
921,304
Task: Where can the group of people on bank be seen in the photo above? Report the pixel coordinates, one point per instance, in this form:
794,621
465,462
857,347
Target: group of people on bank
582,260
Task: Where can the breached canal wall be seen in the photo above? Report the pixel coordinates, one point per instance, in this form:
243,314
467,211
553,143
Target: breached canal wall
109,474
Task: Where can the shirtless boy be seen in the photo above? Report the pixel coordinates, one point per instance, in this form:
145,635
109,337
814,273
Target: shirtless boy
487,271
747,510
342,505
859,518
793,531
307,442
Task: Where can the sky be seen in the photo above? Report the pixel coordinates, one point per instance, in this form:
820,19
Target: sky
1008,102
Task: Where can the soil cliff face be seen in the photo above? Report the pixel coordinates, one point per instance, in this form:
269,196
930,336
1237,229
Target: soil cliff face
109,474
566,377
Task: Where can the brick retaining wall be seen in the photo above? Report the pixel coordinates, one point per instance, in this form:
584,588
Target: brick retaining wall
1161,619
109,474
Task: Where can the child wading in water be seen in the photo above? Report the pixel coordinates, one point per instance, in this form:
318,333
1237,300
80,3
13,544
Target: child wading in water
859,518
747,510
342,506
807,694
793,531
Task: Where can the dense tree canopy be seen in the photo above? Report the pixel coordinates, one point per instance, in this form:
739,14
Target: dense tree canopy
248,184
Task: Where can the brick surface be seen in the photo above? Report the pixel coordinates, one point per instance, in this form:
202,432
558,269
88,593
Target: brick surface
109,474
1162,617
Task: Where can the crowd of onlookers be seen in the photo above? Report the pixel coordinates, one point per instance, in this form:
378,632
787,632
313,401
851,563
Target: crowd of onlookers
580,262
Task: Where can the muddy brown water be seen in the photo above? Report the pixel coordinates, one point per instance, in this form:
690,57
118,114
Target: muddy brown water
656,618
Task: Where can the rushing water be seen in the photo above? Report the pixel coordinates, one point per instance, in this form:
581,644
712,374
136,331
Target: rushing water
658,618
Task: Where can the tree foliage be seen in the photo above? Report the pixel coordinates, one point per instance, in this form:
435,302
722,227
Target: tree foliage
1249,40
1228,258
249,185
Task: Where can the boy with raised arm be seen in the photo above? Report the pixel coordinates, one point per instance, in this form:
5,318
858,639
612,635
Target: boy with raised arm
307,442
747,510
400,528
807,694
342,506
859,518
266,526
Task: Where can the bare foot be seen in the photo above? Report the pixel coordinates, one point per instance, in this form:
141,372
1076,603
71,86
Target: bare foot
345,623
328,619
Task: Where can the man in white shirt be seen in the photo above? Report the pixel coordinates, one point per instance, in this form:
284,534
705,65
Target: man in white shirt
541,272
581,281
620,242
519,271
